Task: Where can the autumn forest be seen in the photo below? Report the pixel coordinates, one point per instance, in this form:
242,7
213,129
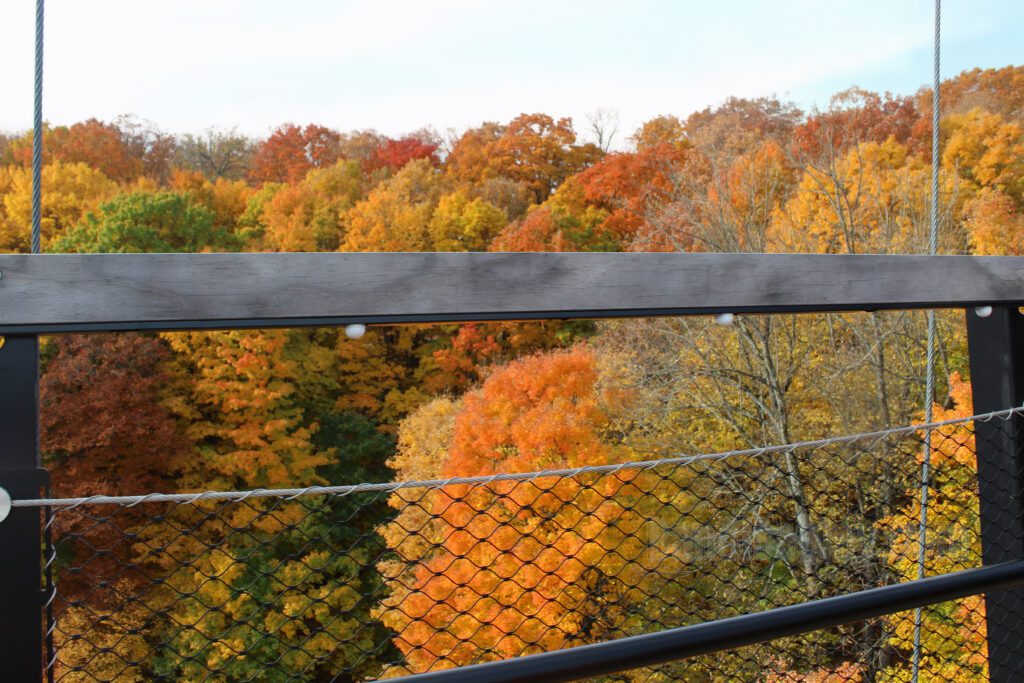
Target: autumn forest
235,410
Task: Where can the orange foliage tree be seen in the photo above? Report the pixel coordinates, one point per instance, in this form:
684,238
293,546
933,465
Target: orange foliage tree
291,151
533,149
506,575
855,116
625,184
995,224
565,222
470,156
997,90
394,154
540,152
98,144
124,150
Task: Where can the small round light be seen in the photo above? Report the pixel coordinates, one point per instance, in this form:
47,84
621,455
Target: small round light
5,504
983,311
355,331
724,318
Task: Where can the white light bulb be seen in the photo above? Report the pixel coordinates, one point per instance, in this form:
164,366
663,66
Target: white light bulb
724,318
5,504
355,331
983,311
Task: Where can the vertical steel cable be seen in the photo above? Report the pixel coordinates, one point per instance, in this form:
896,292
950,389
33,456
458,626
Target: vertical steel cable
929,391
37,232
37,136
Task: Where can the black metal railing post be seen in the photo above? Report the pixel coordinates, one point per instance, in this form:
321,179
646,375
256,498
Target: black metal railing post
21,627
996,343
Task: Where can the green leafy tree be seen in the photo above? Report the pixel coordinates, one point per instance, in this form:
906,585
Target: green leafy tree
277,589
148,222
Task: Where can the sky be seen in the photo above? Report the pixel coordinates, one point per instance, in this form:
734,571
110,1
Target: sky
399,65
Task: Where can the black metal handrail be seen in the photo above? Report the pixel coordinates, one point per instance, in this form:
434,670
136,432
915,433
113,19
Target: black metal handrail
649,649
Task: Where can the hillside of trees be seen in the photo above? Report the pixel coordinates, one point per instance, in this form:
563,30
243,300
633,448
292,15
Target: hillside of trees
189,411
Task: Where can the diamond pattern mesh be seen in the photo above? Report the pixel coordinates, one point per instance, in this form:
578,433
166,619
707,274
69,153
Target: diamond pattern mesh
315,587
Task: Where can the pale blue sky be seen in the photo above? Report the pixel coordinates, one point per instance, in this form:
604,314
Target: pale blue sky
397,65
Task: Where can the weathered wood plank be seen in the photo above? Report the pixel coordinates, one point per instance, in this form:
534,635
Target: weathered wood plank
78,292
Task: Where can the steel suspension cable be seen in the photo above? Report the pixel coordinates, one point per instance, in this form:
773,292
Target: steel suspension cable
37,135
929,392
487,479
36,247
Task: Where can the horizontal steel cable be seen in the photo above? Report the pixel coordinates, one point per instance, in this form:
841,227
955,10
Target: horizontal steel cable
348,489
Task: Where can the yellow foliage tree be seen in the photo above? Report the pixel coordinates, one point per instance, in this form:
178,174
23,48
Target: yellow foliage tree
953,634
464,224
380,375
872,200
848,672
396,215
985,150
111,649
312,215
248,432
227,199
423,439
72,191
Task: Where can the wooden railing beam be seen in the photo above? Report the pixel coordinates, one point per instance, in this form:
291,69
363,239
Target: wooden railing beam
53,293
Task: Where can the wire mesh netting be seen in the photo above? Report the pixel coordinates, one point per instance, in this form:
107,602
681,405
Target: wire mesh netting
311,585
